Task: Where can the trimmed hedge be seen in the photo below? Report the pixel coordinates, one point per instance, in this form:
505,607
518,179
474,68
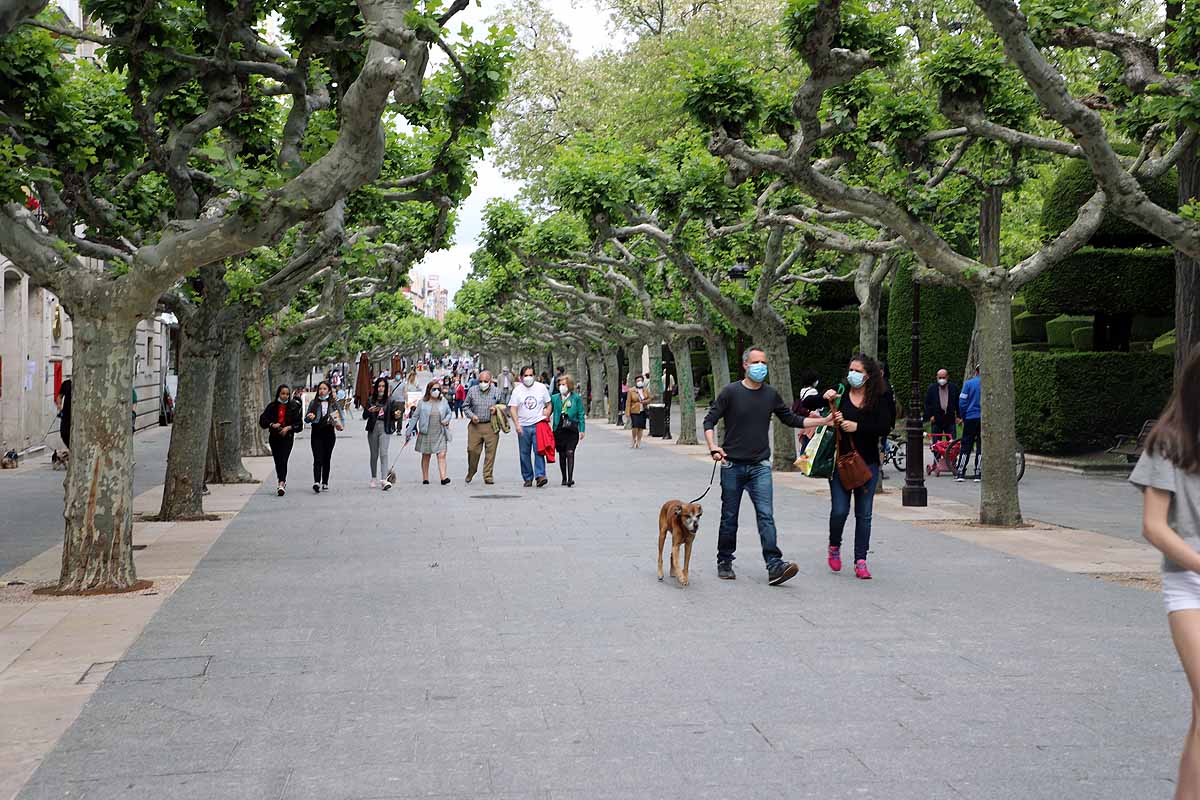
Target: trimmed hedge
1059,330
831,340
1083,339
1029,327
947,319
1165,344
1106,281
1075,184
1147,329
1065,402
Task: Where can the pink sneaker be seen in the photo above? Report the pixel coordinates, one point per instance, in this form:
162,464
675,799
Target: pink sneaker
861,571
835,558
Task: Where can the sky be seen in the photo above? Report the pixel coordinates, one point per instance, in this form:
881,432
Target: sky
589,32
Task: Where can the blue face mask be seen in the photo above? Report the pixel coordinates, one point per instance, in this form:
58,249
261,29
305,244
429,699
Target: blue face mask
757,372
855,379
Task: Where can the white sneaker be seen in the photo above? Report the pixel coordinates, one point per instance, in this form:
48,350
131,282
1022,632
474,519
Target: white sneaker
387,485
374,484
324,487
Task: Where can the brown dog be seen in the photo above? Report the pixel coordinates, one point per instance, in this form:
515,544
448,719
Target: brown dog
683,521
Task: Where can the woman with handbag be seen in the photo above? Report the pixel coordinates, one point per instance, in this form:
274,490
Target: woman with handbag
636,401
567,421
862,417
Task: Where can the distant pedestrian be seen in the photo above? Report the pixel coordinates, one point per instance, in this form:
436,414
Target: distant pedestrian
381,414
431,423
866,415
941,405
506,385
482,436
746,407
636,401
460,397
324,418
1168,472
282,421
807,401
567,419
624,393
529,405
64,413
970,409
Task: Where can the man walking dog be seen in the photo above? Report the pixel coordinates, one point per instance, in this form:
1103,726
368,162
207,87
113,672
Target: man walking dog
745,457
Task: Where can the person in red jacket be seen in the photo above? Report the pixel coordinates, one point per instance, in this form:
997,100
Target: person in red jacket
460,397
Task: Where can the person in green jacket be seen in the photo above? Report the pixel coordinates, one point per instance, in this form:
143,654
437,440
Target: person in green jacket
567,421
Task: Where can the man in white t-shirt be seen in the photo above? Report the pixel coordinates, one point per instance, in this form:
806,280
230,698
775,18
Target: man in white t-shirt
528,405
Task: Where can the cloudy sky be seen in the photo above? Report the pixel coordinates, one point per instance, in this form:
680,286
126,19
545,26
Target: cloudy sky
589,33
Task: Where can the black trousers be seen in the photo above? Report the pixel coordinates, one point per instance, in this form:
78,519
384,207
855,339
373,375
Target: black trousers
565,443
323,439
971,440
281,451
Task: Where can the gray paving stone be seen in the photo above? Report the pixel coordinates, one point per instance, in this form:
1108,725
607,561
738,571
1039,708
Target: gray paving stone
427,643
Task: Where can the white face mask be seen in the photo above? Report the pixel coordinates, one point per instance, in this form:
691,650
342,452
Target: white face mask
527,380
942,381
563,390
483,385
640,384
436,393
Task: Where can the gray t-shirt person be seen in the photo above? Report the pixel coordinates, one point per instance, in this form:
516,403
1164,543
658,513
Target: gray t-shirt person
1154,471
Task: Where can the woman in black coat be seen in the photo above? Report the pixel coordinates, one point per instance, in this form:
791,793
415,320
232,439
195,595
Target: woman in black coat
281,418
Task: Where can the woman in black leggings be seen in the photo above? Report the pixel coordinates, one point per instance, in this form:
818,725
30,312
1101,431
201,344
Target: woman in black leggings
282,419
323,419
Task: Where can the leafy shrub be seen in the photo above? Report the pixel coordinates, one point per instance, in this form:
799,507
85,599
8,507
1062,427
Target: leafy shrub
1029,327
1075,184
947,319
860,29
1106,281
1059,330
723,92
1147,329
1082,340
831,339
1065,402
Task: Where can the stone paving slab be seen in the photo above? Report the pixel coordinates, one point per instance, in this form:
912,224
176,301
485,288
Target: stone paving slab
450,642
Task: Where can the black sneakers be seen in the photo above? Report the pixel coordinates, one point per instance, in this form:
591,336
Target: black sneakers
725,571
783,572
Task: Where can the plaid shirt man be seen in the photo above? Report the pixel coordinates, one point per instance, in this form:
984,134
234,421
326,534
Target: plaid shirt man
479,403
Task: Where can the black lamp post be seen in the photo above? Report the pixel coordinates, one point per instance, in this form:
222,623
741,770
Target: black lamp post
915,493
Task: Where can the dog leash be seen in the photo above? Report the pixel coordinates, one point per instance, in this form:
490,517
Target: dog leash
712,478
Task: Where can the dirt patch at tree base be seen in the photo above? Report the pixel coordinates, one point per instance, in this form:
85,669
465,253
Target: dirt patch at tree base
53,591
1146,581
197,518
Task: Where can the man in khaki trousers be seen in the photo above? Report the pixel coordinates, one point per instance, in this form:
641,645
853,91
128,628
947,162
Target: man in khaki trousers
481,436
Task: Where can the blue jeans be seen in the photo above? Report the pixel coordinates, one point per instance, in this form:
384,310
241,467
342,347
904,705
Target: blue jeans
533,463
756,480
864,504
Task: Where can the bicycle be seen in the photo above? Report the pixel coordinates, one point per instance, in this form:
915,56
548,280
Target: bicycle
952,451
895,452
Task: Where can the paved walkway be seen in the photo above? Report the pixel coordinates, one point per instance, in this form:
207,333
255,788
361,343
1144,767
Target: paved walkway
499,642
36,522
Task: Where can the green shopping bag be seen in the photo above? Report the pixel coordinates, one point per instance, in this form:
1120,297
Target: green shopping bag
821,452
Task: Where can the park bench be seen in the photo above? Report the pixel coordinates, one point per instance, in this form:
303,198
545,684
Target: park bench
1131,447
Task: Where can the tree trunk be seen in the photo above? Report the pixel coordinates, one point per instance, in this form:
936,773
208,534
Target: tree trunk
184,483
686,383
656,368
999,503
581,373
227,414
868,321
98,538
612,375
596,385
783,437
1187,270
255,392
718,358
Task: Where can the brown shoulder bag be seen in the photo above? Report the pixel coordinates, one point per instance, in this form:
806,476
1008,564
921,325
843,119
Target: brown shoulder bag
852,471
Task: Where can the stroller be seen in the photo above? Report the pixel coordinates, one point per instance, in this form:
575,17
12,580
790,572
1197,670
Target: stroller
945,454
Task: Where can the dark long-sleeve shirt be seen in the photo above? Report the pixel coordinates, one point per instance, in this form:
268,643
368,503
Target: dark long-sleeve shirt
873,424
747,414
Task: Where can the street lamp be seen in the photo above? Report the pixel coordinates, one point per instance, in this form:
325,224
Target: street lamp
915,493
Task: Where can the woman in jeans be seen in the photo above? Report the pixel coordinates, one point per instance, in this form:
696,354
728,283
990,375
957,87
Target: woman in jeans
864,416
381,414
323,418
281,419
431,422
1168,473
567,422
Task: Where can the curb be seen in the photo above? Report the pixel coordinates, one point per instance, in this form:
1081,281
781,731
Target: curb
1075,467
